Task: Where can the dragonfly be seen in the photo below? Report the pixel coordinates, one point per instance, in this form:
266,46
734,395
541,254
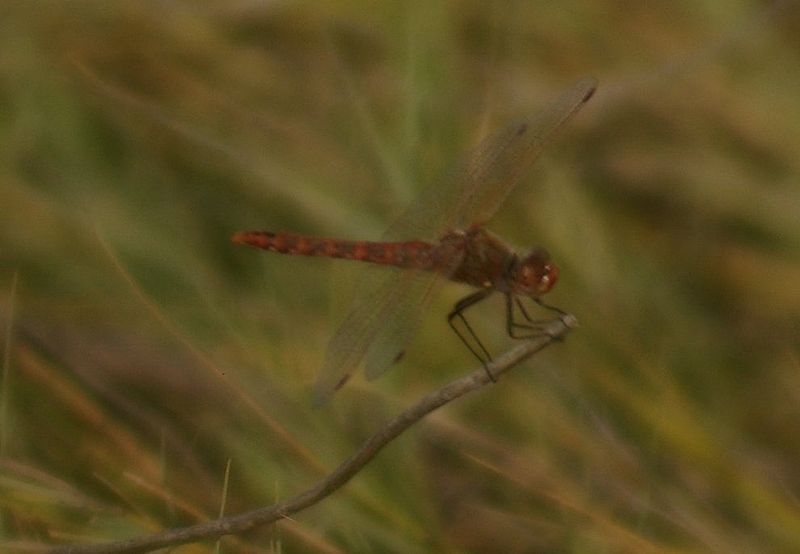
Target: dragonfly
440,237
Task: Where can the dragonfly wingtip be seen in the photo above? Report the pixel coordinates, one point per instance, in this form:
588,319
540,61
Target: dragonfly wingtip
590,83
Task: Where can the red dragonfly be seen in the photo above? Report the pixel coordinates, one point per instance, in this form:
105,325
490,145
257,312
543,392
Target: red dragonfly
388,306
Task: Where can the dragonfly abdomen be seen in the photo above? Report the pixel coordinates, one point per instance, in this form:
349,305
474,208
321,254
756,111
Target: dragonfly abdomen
409,254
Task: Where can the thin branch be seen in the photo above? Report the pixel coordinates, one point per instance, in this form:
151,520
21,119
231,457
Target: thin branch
555,330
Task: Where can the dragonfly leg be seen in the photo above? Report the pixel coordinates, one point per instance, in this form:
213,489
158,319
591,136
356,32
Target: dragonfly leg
458,312
531,327
559,311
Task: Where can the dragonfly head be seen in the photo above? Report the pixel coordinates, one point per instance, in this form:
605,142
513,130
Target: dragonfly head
535,274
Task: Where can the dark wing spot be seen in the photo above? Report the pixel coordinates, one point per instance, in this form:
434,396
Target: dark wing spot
342,382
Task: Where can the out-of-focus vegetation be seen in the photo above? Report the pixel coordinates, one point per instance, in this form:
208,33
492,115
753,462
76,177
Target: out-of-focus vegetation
143,351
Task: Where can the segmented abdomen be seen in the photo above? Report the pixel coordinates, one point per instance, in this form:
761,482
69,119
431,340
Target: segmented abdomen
410,254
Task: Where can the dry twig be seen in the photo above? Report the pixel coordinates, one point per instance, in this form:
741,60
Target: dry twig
554,330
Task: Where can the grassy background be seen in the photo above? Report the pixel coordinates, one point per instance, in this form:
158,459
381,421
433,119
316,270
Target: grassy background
143,351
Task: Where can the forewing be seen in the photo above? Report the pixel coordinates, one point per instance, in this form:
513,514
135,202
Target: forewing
476,187
381,303
375,294
400,324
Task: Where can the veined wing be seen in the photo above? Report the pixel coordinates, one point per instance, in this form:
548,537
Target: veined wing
387,308
380,323
401,322
476,187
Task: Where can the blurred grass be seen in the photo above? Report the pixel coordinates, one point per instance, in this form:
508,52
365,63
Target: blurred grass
145,351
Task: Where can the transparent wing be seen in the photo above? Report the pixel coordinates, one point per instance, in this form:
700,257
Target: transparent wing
476,187
399,325
380,323
388,307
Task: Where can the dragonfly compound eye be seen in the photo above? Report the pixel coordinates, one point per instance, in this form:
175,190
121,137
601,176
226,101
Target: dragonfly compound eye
549,277
536,274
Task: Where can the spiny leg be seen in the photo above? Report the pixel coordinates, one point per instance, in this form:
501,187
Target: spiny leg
512,326
534,326
457,312
561,313
542,303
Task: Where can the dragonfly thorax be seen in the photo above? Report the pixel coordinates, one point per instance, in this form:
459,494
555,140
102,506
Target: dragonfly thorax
534,274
